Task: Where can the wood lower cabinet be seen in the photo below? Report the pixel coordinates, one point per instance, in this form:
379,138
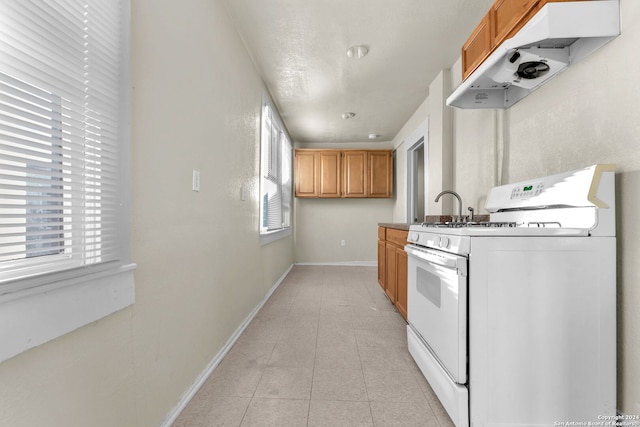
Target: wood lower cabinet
392,266
390,272
402,269
344,173
382,257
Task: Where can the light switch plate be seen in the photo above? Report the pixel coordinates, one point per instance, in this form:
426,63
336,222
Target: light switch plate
196,180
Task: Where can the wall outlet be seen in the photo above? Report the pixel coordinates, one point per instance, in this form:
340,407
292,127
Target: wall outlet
343,243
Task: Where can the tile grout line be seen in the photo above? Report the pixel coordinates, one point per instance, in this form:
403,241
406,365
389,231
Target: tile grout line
268,358
364,380
315,356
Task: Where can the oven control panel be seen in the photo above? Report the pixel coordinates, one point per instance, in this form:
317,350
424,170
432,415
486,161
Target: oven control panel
527,190
592,186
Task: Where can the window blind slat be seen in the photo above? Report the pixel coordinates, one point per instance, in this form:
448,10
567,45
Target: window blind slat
66,159
60,84
61,177
59,30
40,51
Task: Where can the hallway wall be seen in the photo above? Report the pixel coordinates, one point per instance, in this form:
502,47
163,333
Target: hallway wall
201,269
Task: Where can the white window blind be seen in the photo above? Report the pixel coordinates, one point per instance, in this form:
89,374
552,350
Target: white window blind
276,176
60,129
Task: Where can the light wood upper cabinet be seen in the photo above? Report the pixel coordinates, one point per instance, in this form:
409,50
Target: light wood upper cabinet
478,47
344,173
506,14
317,173
379,174
329,179
504,20
306,174
355,171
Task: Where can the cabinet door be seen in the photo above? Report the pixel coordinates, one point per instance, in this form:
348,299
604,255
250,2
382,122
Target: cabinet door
329,173
382,263
354,173
401,281
390,285
306,173
529,12
478,46
379,174
506,15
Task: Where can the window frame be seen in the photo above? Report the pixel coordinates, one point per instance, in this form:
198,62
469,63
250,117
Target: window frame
285,171
44,305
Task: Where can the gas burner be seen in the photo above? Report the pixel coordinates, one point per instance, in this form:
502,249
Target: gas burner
459,224
498,224
469,224
433,224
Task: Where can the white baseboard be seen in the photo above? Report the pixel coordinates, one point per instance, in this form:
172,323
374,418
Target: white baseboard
344,264
204,375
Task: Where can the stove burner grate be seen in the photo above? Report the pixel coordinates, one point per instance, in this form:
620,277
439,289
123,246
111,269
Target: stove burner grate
487,224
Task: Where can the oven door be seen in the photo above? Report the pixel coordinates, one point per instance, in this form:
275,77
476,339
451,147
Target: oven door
437,306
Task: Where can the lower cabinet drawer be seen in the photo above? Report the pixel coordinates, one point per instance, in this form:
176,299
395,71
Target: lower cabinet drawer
399,237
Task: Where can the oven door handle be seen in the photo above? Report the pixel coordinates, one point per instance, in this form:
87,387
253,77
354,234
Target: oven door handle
440,258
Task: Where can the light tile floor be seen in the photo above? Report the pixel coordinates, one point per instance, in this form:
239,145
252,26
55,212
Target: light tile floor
327,349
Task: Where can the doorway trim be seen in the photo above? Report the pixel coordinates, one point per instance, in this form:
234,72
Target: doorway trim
417,140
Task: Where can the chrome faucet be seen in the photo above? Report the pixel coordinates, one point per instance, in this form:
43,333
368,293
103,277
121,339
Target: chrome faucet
457,196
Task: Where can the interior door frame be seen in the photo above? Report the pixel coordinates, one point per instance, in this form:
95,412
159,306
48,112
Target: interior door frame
417,140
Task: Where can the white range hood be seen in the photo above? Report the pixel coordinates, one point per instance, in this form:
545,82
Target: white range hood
559,35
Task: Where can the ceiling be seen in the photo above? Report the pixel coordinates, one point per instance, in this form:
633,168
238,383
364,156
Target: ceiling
299,48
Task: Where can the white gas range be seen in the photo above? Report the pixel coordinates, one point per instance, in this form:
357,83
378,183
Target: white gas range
513,321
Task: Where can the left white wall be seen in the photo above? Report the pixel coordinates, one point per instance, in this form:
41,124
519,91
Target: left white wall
201,270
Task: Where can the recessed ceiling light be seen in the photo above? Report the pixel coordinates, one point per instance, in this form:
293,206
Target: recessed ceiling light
357,51
348,115
373,136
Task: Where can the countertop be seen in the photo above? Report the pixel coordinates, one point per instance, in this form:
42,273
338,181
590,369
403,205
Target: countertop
396,225
429,218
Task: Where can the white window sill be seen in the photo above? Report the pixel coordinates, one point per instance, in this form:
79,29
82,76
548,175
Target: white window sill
274,235
35,316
